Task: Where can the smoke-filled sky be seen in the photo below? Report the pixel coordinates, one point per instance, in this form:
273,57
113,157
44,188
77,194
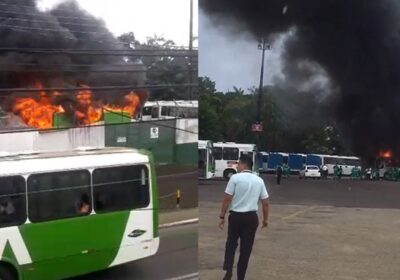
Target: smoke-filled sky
145,18
232,59
355,44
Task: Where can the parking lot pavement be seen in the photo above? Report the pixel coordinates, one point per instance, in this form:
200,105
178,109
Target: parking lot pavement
327,237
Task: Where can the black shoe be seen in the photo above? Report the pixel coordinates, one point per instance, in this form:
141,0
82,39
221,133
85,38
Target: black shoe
228,275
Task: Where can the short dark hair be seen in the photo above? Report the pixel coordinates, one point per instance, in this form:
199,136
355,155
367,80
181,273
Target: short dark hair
246,160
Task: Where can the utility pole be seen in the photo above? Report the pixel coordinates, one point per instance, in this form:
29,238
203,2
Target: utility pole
190,49
257,127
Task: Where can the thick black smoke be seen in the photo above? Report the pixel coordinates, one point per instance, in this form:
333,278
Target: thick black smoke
356,42
67,26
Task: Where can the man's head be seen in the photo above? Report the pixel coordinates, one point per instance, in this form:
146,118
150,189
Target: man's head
245,163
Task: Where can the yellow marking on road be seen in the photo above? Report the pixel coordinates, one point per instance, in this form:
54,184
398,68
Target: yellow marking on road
295,214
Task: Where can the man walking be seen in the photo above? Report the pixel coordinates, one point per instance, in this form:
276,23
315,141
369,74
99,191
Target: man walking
243,192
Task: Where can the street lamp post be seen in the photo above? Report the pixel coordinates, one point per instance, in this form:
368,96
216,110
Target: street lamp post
190,49
262,45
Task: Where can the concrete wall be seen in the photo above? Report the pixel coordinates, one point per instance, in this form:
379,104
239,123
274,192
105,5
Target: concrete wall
60,140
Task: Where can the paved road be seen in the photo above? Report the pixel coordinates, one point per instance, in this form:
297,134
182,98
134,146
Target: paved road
328,230
340,193
169,182
176,257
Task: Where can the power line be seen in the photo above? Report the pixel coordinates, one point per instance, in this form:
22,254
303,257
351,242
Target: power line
54,30
111,52
96,125
47,14
99,88
49,22
96,71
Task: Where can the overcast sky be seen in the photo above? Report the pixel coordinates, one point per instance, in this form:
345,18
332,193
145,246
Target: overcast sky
143,17
231,58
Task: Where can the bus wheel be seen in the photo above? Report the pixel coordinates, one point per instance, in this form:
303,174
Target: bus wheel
7,273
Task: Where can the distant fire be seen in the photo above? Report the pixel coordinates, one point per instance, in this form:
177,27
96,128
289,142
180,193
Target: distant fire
385,154
38,112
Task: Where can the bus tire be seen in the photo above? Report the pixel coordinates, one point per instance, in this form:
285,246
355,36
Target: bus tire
7,272
228,173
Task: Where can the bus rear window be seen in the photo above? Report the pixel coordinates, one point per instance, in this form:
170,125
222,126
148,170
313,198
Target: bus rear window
59,195
120,188
231,153
147,111
12,201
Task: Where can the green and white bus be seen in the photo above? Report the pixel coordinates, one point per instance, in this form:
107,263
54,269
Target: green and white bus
206,160
71,213
227,154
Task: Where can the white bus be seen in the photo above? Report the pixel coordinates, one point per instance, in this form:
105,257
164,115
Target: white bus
159,110
346,162
227,154
80,211
206,160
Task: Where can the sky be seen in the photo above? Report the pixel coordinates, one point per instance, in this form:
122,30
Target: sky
232,59
143,17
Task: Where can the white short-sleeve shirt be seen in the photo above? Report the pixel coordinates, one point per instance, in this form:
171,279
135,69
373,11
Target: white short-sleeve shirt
247,189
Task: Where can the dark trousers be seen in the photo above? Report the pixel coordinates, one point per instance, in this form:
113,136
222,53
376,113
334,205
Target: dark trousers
243,226
278,178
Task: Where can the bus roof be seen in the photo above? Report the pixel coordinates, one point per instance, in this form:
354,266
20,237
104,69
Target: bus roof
178,103
24,163
234,145
205,143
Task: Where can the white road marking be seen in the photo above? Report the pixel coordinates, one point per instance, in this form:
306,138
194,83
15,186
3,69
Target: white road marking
179,223
191,276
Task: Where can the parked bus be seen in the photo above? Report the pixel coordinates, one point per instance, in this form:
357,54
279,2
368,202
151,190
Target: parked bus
262,161
206,159
296,162
227,154
275,159
346,162
71,213
158,110
315,159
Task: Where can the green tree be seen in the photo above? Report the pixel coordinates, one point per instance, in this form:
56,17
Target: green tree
173,70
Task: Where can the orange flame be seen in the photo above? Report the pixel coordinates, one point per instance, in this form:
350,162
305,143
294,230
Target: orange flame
385,154
35,113
131,105
39,113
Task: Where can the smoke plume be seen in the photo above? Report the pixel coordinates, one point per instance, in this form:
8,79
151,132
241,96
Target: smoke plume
356,44
66,26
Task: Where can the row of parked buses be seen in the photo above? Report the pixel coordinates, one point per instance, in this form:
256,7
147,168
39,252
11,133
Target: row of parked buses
220,159
268,162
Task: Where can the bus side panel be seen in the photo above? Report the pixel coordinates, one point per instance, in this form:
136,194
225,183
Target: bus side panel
314,160
295,162
69,247
274,160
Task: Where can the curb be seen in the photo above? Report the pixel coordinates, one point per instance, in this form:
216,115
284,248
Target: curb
179,223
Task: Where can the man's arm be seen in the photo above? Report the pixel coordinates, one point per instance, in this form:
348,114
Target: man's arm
230,190
225,204
265,210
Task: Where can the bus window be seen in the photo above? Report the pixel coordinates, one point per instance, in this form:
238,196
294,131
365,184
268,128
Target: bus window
120,188
147,111
217,153
230,153
12,201
58,195
202,158
154,112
